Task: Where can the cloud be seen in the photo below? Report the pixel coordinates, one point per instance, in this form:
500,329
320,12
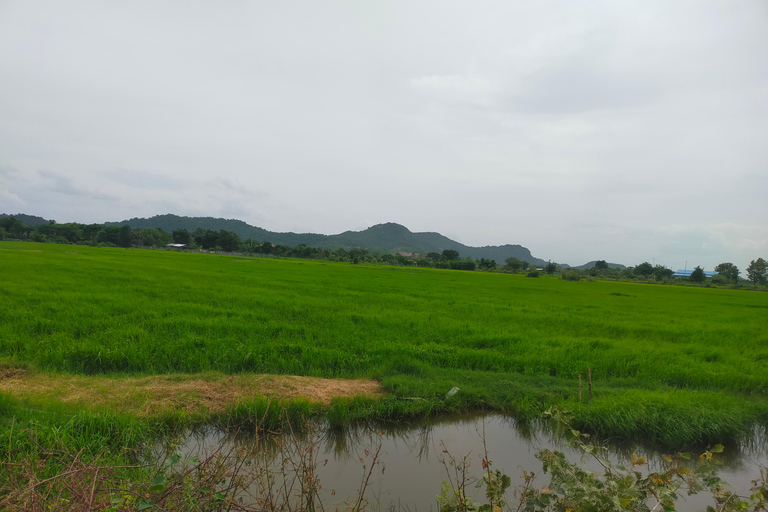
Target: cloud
566,88
241,188
145,180
10,179
458,88
8,172
61,184
9,176
10,201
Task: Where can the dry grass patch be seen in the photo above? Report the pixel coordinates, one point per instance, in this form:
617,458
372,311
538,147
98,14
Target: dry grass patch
146,396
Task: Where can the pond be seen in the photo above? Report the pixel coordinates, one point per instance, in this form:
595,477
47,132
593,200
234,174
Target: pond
404,467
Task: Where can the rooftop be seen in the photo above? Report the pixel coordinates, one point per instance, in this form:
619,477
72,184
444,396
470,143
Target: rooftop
687,273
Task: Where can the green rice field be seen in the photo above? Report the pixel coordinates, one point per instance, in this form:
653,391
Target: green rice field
671,365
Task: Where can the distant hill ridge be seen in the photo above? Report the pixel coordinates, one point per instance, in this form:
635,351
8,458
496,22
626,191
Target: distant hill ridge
587,266
384,238
29,220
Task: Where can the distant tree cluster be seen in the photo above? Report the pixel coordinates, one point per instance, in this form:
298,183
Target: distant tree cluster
85,234
515,265
757,271
729,271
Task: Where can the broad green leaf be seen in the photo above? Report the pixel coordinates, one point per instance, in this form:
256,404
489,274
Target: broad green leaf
145,504
173,460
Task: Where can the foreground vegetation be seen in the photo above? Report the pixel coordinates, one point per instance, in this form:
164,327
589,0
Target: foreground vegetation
280,473
673,366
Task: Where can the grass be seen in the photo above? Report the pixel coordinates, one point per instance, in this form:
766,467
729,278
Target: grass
673,364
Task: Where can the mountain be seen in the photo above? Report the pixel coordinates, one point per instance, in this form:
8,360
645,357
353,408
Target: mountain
29,220
383,238
591,264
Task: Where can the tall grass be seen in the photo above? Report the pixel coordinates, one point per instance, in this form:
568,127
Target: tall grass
508,342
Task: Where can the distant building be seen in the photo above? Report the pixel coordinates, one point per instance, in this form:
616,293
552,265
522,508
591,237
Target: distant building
177,246
687,273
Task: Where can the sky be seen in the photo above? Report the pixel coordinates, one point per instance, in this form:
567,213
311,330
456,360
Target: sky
627,131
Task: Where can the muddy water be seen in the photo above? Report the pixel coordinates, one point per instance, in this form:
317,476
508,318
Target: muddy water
410,469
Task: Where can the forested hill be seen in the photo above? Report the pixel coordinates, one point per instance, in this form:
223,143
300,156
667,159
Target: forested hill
383,238
29,220
591,264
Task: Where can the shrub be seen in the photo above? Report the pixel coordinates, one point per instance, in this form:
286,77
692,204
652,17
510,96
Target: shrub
570,275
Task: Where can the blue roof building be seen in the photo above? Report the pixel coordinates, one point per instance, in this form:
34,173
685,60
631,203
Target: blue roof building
687,273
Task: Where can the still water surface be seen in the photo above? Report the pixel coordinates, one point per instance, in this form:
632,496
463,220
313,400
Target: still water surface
410,473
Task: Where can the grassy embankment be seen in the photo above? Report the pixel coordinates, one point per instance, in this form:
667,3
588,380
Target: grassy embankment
670,365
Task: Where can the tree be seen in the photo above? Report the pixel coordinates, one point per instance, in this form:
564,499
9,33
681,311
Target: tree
662,272
207,239
757,271
14,227
698,276
228,240
109,235
514,264
628,273
156,237
137,238
729,271
644,269
125,237
550,268
181,236
487,264
357,254
450,254
91,232
601,265
462,264
249,244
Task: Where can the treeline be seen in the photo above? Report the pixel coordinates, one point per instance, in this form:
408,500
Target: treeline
230,242
218,241
727,273
644,272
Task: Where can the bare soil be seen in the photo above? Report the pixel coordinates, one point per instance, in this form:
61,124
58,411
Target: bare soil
146,396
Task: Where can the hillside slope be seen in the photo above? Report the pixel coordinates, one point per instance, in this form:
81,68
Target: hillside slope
29,220
383,238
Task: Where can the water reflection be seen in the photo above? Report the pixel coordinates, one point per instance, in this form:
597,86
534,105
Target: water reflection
409,473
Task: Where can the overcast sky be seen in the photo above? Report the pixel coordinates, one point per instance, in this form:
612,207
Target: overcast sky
624,131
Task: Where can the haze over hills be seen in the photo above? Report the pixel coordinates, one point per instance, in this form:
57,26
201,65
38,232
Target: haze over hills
384,238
